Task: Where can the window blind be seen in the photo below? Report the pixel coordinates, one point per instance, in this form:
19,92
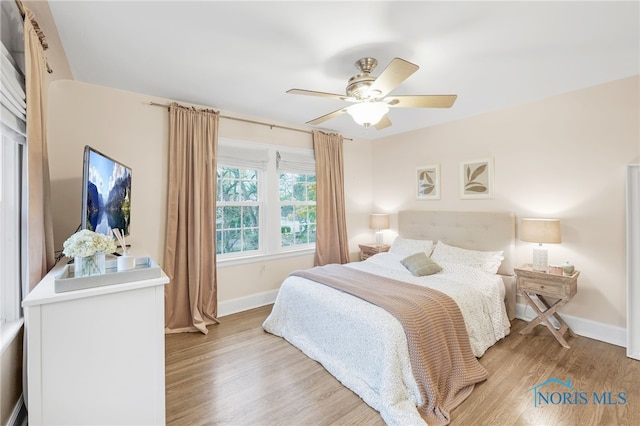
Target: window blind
13,106
235,155
296,161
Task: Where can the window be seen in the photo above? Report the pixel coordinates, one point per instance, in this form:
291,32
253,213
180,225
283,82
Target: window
266,200
10,228
237,210
297,209
12,153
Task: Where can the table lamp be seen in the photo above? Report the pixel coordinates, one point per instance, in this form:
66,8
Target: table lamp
540,231
379,222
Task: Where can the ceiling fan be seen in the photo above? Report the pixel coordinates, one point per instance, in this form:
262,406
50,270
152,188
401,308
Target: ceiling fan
369,94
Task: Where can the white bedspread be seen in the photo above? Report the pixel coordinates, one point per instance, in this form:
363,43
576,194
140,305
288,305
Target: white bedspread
365,347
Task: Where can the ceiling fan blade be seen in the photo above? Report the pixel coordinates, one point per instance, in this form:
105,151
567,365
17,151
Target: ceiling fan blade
383,123
327,116
421,101
319,94
393,75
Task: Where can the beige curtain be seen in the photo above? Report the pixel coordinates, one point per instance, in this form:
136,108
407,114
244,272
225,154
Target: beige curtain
331,233
190,255
40,223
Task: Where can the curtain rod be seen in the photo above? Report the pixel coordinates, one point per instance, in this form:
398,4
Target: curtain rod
253,122
36,26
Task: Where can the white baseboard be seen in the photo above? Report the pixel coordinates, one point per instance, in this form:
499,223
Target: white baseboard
240,304
583,327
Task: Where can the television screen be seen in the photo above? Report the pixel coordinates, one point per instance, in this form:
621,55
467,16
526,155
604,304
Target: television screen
106,193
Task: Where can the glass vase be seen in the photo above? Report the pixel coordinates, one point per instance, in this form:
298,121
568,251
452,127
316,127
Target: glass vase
89,265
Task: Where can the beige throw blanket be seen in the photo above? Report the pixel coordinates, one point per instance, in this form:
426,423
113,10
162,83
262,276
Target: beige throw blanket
442,361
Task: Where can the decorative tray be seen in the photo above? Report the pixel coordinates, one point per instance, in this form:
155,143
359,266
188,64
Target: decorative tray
145,269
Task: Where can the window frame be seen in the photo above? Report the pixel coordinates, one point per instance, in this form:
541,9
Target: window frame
294,204
269,189
259,203
13,195
12,232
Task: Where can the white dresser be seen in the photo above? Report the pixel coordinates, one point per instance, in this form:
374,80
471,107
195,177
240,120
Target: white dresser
96,356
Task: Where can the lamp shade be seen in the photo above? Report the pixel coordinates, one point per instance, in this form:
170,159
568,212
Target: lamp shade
368,113
540,231
379,221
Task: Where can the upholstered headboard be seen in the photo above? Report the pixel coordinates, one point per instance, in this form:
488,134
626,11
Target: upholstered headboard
485,231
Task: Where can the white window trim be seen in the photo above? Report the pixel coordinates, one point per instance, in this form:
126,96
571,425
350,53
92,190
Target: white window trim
260,203
270,213
262,257
8,333
296,204
10,233
13,123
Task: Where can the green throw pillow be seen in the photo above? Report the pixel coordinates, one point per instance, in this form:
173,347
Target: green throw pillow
420,264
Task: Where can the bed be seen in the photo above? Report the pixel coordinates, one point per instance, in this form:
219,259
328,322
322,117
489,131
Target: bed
367,348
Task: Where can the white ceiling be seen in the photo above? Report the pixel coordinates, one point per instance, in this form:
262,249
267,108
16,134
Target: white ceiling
241,57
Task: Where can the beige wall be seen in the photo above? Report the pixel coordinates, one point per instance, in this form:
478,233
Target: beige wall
124,126
562,157
10,378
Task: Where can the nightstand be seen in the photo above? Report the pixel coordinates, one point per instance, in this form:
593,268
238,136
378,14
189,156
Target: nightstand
368,250
543,285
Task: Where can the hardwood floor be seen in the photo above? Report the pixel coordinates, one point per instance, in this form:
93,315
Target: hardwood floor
240,375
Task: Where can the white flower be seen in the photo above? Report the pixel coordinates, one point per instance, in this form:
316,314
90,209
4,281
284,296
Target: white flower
87,243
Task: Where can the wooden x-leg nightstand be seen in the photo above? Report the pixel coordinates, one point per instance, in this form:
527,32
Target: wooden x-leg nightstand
368,250
543,285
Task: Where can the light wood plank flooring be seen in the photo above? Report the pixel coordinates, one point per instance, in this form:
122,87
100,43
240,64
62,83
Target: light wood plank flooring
240,375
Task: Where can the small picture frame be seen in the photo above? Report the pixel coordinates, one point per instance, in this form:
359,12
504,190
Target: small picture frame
428,182
476,179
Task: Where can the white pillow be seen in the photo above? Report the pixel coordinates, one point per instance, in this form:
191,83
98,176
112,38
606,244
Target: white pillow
488,261
404,247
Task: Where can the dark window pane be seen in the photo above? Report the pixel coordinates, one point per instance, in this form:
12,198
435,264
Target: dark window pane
250,239
286,187
312,234
286,213
219,244
250,216
249,190
311,191
231,217
287,239
231,241
249,174
301,214
230,190
218,190
300,192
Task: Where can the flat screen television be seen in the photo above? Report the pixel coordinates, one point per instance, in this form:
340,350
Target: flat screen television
106,193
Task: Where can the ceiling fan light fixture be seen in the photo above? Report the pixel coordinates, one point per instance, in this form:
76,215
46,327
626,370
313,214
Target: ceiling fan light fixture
368,113
368,94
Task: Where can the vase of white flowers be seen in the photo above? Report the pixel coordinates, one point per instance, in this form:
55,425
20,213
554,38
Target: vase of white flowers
88,249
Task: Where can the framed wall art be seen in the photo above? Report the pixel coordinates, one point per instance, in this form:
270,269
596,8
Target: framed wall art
428,182
476,179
